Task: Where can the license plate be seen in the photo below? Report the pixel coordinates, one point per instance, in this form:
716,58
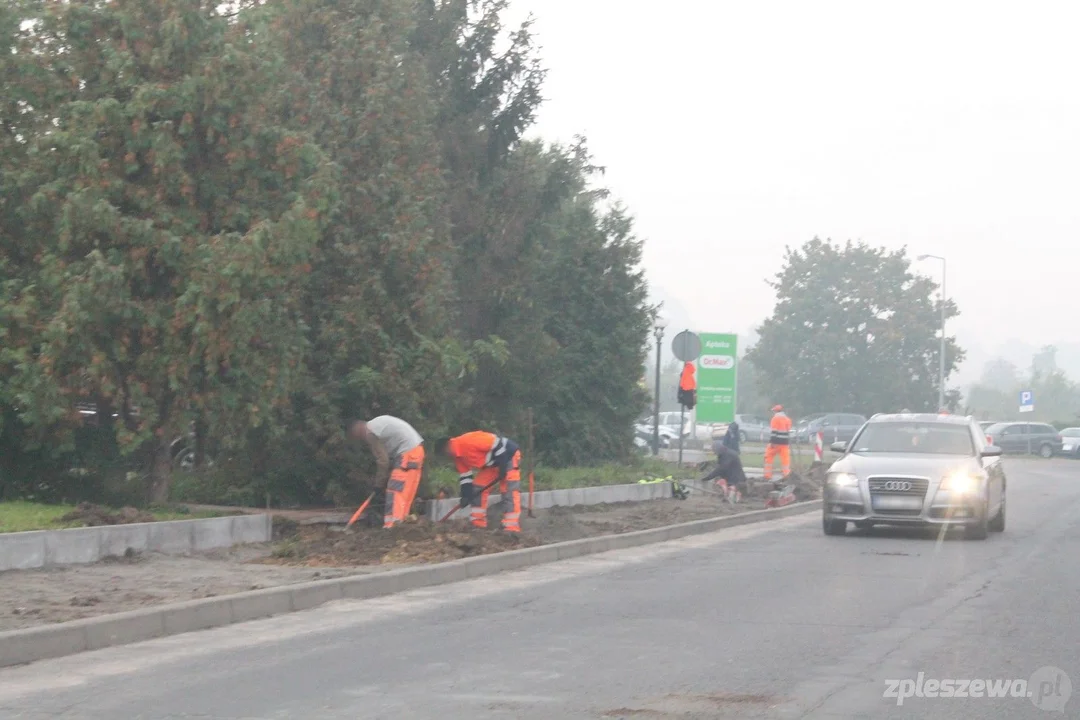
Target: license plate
896,502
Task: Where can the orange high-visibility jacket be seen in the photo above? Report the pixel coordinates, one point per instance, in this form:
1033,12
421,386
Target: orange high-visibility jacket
780,429
479,449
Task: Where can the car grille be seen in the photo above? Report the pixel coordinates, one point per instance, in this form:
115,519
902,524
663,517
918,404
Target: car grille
899,486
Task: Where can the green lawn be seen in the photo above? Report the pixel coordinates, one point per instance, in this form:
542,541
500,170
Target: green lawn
23,516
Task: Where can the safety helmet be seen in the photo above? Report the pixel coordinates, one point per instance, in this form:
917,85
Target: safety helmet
778,408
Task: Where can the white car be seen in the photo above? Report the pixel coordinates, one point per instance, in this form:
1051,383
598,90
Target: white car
1070,442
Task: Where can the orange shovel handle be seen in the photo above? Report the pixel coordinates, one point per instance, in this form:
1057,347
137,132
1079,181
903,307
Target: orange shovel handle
360,511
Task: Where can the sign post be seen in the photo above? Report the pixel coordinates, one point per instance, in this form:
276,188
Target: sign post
1027,404
686,347
716,378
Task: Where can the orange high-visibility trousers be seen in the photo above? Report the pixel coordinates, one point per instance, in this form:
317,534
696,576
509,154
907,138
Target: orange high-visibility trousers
404,482
771,451
509,488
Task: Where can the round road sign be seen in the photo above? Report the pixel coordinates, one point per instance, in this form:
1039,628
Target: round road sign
686,346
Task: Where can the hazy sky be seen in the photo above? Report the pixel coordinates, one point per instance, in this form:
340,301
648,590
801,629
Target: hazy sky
732,129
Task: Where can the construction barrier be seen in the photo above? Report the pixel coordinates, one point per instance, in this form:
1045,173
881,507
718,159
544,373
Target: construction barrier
819,443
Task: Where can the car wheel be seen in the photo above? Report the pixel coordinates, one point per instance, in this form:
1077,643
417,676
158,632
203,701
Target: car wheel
997,523
833,527
1046,450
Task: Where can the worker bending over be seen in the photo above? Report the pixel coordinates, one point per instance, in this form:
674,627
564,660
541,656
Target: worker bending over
779,443
728,468
399,457
496,460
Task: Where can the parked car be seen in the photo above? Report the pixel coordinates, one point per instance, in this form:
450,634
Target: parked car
834,427
671,420
919,469
798,428
1070,442
752,428
644,431
1026,438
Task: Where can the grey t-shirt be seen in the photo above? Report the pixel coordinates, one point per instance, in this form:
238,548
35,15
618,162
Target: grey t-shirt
396,435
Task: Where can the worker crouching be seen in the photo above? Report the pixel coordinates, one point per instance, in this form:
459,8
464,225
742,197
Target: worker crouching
484,460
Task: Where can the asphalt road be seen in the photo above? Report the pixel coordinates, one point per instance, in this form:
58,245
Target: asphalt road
768,621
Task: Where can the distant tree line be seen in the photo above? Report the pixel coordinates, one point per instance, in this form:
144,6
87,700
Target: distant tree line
242,227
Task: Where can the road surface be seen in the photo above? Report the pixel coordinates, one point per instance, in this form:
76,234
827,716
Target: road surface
767,621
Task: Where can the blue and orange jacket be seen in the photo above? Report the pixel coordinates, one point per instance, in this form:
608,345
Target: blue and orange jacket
478,450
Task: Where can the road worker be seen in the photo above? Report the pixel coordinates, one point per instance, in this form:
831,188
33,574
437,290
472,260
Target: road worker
779,443
399,457
728,468
484,459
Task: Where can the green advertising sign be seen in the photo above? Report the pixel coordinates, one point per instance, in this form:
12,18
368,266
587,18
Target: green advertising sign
716,378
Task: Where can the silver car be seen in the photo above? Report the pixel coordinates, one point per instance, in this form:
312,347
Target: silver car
916,469
1070,442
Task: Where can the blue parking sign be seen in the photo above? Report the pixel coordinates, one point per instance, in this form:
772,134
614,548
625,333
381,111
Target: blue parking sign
1027,401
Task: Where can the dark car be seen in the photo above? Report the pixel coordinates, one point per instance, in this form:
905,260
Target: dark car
916,469
834,427
1026,438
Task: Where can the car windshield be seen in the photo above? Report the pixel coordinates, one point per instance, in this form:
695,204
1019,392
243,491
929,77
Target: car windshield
996,428
1070,432
914,437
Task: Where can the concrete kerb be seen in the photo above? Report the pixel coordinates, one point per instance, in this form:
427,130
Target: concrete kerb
44,548
50,641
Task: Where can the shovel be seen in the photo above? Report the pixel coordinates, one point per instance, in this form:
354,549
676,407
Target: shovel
457,507
360,511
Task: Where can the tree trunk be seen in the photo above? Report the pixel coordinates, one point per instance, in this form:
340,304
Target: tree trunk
160,470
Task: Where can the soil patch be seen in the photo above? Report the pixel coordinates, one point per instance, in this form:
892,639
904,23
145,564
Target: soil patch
409,543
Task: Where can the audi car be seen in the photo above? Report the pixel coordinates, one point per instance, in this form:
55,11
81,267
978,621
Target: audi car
916,470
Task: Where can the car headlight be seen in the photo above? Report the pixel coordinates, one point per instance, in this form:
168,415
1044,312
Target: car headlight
961,482
842,479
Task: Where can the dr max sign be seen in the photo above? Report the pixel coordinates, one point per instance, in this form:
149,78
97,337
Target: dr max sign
716,378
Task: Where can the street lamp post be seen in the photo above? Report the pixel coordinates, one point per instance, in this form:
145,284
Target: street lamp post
941,353
658,334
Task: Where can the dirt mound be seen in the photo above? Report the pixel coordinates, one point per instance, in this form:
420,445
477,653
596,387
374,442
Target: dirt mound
807,485
91,515
415,542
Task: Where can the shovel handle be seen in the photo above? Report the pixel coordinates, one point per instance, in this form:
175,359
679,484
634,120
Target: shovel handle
458,506
360,511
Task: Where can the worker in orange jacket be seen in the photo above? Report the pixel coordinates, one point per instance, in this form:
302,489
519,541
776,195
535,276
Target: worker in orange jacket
779,443
483,459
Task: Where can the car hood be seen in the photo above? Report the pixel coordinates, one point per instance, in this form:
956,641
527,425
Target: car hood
933,467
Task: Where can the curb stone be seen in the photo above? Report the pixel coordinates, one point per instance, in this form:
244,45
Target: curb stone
18,647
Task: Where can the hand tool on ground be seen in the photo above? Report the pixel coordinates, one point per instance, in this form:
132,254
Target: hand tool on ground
780,498
481,491
360,511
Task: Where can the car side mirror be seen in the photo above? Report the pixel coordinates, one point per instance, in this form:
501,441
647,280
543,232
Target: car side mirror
991,451
839,447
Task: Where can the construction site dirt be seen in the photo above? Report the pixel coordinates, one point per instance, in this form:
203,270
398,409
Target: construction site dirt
302,553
